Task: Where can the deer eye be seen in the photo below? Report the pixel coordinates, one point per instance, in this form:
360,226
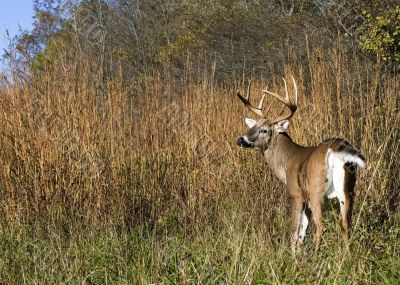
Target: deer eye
263,131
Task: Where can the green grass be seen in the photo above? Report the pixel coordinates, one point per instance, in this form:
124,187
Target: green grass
239,252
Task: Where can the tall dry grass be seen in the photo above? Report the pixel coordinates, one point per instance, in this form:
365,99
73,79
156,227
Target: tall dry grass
158,157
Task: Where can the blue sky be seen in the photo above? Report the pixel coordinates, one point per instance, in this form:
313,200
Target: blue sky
12,14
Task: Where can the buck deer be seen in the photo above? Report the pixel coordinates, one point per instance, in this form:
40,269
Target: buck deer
310,173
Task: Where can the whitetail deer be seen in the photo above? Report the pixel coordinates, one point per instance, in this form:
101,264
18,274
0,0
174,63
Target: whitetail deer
310,173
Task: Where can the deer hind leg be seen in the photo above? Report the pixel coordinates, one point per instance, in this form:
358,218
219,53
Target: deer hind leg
344,182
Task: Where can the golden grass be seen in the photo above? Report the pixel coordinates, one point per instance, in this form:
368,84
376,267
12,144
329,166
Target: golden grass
159,157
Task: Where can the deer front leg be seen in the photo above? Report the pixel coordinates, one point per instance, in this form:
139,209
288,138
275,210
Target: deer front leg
316,209
297,207
304,220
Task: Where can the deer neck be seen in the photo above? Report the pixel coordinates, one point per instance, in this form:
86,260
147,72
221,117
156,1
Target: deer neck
278,154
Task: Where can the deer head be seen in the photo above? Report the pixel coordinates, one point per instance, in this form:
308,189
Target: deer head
261,131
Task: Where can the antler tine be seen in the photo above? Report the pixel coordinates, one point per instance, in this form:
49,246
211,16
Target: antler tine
260,105
246,102
248,91
295,89
285,100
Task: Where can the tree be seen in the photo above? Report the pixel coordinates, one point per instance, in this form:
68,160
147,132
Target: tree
381,33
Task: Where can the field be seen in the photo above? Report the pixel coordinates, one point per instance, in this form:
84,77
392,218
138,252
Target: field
145,185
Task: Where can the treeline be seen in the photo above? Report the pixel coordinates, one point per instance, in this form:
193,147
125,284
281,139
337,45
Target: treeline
241,36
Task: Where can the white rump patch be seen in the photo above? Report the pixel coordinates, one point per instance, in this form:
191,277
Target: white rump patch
336,173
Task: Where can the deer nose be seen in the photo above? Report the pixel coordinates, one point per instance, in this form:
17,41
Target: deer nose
242,142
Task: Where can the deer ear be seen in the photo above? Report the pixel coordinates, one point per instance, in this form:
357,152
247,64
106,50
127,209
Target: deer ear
281,126
250,122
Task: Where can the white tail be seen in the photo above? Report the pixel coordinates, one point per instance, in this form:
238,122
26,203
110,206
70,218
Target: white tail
349,157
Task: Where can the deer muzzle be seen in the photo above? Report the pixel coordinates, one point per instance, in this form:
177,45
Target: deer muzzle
243,142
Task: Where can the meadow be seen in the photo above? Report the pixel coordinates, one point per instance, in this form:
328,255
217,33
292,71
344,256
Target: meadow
144,184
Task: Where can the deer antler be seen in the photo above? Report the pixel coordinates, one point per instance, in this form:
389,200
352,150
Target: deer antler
246,101
286,100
